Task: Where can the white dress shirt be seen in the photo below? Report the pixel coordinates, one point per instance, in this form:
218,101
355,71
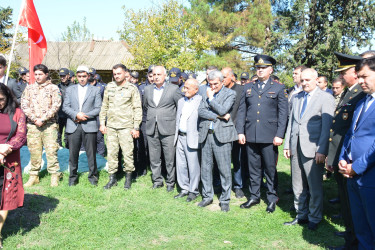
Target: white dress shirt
81,94
158,92
186,110
309,95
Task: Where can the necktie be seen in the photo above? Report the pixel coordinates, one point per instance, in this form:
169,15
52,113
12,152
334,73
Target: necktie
363,111
304,105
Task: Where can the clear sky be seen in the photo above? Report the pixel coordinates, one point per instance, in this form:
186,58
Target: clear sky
103,17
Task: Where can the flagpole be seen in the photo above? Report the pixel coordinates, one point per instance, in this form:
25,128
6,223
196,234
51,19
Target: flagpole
14,42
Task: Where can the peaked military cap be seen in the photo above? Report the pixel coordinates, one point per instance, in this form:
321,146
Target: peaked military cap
192,76
23,70
174,74
245,75
63,72
92,71
71,73
264,61
134,74
151,68
184,76
346,61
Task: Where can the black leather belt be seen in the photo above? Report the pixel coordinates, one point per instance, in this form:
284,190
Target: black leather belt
210,131
181,133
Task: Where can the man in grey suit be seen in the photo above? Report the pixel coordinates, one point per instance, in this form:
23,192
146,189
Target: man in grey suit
216,134
82,105
306,142
186,138
160,103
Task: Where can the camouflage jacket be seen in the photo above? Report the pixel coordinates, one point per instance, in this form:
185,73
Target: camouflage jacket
41,101
121,106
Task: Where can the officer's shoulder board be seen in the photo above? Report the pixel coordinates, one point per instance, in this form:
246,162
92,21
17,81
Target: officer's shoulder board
278,82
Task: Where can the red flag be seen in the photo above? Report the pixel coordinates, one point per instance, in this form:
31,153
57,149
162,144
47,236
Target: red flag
37,41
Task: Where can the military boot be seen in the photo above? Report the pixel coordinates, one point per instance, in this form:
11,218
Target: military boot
128,180
112,181
55,178
33,179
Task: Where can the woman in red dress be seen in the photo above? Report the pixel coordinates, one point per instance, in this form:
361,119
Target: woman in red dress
12,137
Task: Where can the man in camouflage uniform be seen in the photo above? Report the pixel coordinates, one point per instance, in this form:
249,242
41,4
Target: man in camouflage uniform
40,102
122,108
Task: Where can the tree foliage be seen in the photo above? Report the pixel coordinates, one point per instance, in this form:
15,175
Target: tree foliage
240,29
164,35
310,31
5,26
77,32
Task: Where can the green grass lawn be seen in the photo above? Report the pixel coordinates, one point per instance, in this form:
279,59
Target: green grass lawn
89,217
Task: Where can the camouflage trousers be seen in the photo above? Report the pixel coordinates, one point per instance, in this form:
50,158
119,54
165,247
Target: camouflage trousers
46,136
117,138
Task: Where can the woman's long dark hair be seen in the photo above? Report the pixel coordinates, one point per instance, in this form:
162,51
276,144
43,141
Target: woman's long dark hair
11,105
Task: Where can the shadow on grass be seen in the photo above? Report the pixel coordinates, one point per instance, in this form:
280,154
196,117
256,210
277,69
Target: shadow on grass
26,218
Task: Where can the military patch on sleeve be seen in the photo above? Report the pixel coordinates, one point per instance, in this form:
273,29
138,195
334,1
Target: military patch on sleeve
248,92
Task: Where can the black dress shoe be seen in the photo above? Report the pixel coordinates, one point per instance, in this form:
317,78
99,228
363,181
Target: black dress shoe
340,234
312,226
180,195
73,183
112,182
271,207
155,186
204,203
191,197
249,203
295,222
224,207
239,193
334,200
170,188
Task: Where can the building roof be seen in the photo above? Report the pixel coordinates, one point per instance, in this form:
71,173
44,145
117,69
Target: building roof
99,54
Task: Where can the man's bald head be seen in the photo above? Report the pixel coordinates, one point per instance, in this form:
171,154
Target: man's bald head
159,73
229,78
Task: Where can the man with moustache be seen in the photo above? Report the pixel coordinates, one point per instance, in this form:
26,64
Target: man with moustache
40,102
342,119
120,118
261,124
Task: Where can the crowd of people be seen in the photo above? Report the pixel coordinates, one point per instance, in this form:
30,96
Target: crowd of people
196,131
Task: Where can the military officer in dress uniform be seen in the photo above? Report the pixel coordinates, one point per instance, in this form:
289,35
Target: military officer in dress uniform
261,123
341,123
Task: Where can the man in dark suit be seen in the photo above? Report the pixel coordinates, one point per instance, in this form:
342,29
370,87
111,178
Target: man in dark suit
160,102
261,124
238,150
82,105
342,119
357,158
306,143
216,134
11,83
